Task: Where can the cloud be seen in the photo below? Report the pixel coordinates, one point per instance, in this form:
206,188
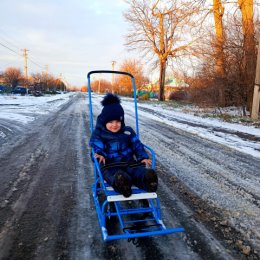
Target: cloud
104,7
71,37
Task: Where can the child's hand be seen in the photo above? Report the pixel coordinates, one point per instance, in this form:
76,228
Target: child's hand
147,162
101,159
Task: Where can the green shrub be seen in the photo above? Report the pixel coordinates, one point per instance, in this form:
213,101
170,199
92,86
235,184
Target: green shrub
144,97
178,95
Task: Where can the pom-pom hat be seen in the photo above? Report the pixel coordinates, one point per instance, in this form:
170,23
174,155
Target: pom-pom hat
112,110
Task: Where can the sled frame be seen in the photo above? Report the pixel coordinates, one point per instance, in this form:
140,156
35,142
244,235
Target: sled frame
116,206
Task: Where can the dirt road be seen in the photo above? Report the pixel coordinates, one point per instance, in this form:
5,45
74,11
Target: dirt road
46,206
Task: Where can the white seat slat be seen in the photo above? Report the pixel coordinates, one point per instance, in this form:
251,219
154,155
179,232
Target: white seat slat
111,188
138,196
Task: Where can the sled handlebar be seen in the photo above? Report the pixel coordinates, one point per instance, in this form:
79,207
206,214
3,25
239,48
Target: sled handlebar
110,71
134,90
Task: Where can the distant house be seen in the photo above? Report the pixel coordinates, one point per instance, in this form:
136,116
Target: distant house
171,85
171,82
174,85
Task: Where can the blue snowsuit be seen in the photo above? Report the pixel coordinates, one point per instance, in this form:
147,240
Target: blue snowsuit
122,150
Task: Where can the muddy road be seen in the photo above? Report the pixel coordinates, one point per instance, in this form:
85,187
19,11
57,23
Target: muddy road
46,205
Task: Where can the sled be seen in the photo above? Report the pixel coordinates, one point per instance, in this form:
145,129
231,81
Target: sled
136,216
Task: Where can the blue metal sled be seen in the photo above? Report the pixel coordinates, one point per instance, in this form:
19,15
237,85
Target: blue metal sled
138,215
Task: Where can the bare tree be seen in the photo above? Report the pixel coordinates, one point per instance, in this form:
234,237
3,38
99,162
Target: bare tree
161,32
218,11
12,76
249,47
124,83
46,82
101,85
38,81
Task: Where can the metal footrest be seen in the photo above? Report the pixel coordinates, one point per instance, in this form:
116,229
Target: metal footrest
131,228
142,234
142,228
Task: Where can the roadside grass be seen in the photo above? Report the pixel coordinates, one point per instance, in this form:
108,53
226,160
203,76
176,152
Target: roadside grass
226,114
244,120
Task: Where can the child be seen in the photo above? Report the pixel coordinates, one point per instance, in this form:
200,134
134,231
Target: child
121,155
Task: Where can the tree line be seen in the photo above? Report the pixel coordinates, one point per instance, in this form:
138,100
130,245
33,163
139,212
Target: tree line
215,39
122,84
44,82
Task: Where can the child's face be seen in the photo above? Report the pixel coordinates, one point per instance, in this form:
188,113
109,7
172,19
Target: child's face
113,126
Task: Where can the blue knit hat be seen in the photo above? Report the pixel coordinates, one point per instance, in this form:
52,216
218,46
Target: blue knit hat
112,110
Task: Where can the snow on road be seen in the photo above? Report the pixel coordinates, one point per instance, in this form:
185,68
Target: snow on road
21,110
231,184
26,108
229,134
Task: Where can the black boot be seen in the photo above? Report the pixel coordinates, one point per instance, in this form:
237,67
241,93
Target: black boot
151,180
122,184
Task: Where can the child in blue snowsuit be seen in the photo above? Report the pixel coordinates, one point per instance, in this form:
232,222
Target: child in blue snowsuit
122,157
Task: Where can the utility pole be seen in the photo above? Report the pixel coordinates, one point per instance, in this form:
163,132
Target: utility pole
99,83
61,81
67,85
47,69
256,95
113,75
25,64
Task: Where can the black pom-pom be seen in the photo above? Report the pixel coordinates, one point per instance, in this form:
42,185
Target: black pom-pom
110,99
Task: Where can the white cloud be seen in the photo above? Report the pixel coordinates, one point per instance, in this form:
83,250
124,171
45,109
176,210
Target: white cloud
71,37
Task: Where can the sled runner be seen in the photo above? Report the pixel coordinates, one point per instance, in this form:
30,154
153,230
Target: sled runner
136,216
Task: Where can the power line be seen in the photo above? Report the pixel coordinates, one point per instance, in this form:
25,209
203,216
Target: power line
10,43
24,55
10,49
35,63
32,60
10,40
21,55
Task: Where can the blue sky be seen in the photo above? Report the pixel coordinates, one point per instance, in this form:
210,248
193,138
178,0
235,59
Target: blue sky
70,37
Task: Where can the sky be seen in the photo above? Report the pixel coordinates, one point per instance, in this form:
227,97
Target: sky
67,38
